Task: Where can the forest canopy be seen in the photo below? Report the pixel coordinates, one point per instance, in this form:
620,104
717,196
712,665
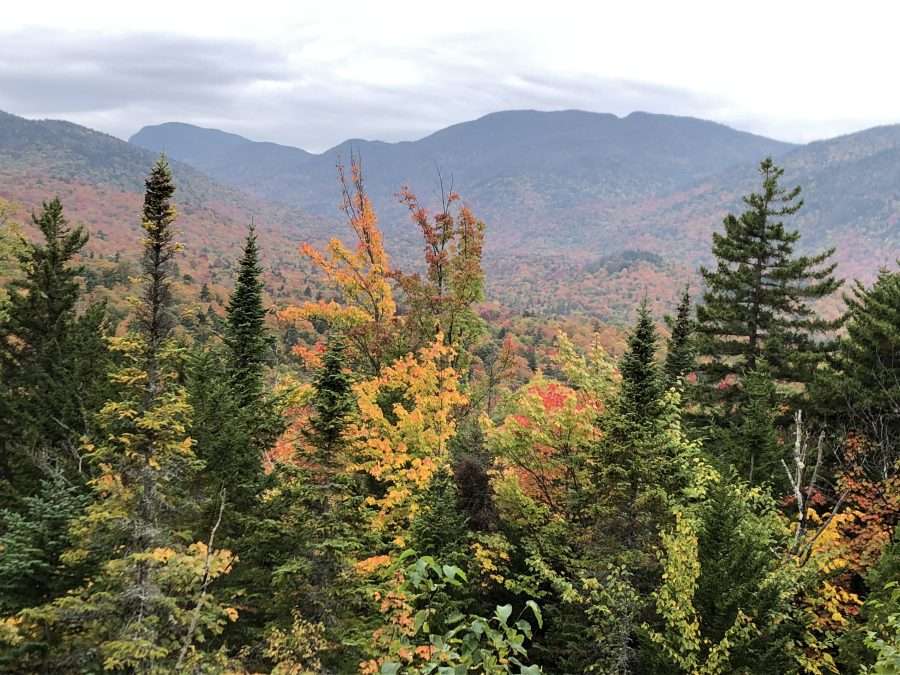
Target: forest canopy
393,476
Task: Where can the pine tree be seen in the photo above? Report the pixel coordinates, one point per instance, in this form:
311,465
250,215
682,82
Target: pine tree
862,388
333,400
756,303
641,381
246,332
680,357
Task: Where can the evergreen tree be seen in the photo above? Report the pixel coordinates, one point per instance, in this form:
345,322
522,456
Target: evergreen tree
333,400
748,441
630,469
756,304
641,381
863,387
680,356
246,332
51,361
149,606
439,528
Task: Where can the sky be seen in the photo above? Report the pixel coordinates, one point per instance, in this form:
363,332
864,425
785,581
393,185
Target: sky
313,74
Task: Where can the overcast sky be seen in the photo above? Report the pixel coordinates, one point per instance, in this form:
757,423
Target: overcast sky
315,73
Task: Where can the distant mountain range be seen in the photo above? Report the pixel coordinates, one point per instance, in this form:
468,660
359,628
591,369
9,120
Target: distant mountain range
536,177
585,211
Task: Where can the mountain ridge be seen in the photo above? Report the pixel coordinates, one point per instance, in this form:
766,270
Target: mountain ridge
589,216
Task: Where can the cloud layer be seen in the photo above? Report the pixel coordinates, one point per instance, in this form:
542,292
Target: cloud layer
311,75
118,83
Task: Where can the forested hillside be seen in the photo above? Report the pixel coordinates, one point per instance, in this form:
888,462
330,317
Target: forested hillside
387,472
100,179
568,192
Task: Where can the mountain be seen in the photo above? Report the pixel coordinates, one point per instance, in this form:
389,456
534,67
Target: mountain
99,179
585,212
534,176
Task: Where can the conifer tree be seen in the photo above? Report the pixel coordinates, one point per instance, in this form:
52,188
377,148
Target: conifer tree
439,528
756,305
149,605
641,381
45,406
862,389
680,358
246,333
333,400
633,450
749,439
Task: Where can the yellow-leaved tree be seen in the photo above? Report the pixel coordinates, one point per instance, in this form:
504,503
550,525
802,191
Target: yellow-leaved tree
405,420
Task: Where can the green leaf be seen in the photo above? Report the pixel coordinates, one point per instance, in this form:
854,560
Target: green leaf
533,606
503,613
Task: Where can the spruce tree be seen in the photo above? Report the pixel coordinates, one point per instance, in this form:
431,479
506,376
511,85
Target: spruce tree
631,454
862,388
756,305
246,332
641,381
680,357
748,439
333,400
44,407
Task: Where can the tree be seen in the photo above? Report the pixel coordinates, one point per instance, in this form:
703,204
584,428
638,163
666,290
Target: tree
51,361
748,440
11,244
333,400
641,381
246,332
757,300
442,301
862,388
361,276
680,353
149,605
400,437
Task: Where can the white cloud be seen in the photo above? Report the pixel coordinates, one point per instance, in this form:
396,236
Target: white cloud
314,73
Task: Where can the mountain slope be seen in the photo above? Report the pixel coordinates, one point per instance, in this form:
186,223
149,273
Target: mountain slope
587,212
100,181
521,170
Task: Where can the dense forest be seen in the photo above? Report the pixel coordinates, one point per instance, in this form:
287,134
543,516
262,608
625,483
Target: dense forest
395,476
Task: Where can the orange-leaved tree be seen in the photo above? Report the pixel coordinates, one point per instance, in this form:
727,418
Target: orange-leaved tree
442,300
361,277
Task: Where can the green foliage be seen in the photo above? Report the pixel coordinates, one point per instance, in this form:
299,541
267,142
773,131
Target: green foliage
333,399
680,350
246,335
439,528
492,645
52,360
862,388
681,643
32,542
756,305
641,380
748,439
